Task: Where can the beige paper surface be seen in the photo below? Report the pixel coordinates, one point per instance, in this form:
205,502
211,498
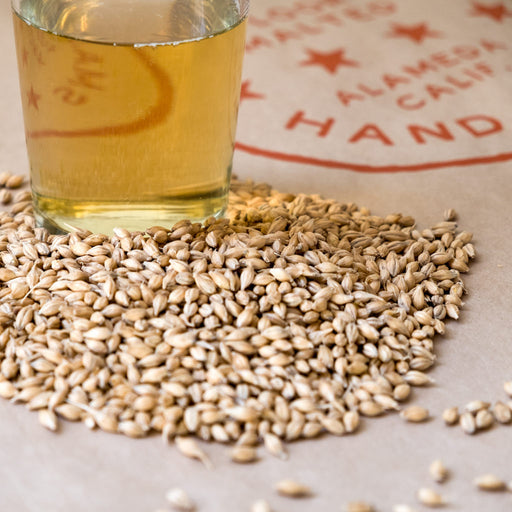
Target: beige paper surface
337,94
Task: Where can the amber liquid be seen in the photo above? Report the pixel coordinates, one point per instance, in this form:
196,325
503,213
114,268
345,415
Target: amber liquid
130,114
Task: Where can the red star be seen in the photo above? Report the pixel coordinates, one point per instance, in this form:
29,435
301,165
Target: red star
416,33
247,94
495,11
33,98
330,61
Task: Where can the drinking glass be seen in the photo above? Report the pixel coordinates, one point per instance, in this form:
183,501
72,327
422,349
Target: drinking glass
130,108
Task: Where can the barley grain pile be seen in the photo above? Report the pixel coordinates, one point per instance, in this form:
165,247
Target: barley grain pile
292,317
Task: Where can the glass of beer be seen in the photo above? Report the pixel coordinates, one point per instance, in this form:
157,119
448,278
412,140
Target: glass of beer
130,108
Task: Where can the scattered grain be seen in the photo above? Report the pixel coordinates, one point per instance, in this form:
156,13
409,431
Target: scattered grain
430,498
438,471
402,392
260,506
489,482
180,500
285,321
450,215
189,447
293,489
244,454
403,508
451,416
415,414
14,181
359,506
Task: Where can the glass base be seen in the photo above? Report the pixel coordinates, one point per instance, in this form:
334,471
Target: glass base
62,216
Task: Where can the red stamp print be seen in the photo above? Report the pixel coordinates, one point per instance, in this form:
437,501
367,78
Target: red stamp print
378,86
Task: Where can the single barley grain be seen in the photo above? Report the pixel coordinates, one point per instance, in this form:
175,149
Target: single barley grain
417,378
48,419
438,471
415,414
489,482
502,413
430,498
189,447
507,386
7,389
293,489
69,412
261,506
359,506
402,392
467,423
244,454
370,408
450,215
484,419
178,499
274,446
14,181
4,176
5,197
403,508
351,421
128,427
451,416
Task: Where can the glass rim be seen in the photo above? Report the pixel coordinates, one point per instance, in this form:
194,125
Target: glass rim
240,14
